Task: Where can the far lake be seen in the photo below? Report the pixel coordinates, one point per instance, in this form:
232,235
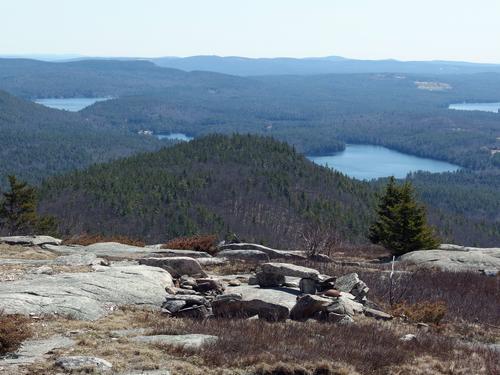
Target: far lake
69,104
175,137
366,162
485,107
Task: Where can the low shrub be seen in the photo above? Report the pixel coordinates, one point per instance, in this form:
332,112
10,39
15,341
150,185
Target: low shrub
89,239
426,312
14,329
206,243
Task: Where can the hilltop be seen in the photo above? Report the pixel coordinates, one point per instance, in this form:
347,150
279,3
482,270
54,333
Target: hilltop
254,186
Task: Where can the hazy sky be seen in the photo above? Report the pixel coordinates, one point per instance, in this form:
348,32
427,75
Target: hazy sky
373,29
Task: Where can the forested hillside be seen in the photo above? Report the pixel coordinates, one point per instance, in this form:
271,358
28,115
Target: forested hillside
37,141
256,187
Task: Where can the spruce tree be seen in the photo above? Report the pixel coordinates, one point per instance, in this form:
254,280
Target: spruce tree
401,225
18,211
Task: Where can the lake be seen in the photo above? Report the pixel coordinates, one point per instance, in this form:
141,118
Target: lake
175,137
485,107
366,162
69,104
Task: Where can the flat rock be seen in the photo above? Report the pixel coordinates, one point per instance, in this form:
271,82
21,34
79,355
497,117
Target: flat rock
193,341
83,259
281,296
455,260
103,249
33,350
181,253
287,269
86,296
79,363
376,314
272,253
214,261
177,266
248,255
31,240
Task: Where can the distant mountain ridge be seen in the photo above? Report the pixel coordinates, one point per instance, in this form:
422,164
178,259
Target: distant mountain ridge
321,65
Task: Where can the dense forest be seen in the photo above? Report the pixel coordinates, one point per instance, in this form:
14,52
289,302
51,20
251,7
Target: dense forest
37,142
254,186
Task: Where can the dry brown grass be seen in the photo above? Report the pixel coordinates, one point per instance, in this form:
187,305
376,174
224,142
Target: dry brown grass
246,347
89,239
206,243
14,329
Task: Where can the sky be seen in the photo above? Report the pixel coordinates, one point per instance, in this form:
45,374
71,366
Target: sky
462,30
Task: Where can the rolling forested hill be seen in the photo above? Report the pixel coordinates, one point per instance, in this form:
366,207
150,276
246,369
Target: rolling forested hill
37,141
254,186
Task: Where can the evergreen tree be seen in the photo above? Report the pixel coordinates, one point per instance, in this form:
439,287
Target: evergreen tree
18,210
401,225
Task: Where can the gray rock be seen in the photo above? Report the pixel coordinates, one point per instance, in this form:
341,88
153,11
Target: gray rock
380,315
83,259
309,306
466,259
269,280
174,305
408,337
237,308
272,253
248,255
103,249
86,296
177,266
190,300
181,253
192,342
344,305
31,240
34,350
214,261
80,363
287,269
351,283
308,286
277,302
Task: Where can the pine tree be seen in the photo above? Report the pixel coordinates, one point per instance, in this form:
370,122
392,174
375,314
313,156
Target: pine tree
18,210
401,225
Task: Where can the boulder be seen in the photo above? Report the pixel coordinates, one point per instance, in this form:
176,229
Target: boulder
190,300
83,259
34,350
287,269
214,261
192,341
309,306
379,315
83,363
234,307
463,259
269,280
208,286
351,283
194,312
86,296
177,266
308,286
248,255
272,253
31,240
181,253
174,306
271,304
344,305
